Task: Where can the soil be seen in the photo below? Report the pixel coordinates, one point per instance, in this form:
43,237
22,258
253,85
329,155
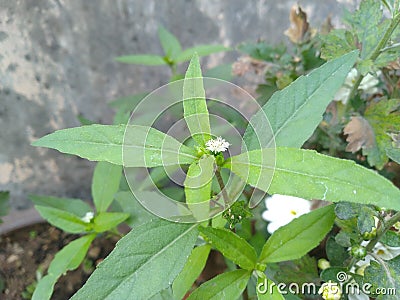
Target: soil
25,251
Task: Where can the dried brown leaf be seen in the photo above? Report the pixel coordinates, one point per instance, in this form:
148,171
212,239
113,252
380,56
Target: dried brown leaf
359,134
299,25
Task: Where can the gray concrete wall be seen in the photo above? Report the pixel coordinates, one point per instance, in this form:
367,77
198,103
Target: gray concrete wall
56,61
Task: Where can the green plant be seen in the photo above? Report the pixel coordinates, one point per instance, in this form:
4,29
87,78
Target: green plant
162,259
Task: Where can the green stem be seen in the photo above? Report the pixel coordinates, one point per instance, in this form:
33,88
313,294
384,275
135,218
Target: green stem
384,228
354,90
225,196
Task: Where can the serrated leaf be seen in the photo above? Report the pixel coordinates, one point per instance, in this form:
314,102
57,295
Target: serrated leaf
194,103
384,276
228,285
336,44
108,220
142,59
201,50
296,111
384,118
314,176
143,146
295,239
67,259
198,184
169,43
105,184
191,271
231,246
146,260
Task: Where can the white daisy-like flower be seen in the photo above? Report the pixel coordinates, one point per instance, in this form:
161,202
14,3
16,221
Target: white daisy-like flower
217,145
368,85
283,209
88,217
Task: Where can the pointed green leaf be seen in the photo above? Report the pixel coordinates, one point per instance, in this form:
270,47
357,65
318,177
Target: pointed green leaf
169,43
310,175
198,184
68,258
231,246
74,206
144,262
194,103
191,271
108,220
394,154
201,50
64,220
228,285
295,239
105,184
143,146
142,59
294,112
267,290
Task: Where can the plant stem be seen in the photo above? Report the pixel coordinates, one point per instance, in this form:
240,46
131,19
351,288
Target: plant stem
222,187
384,228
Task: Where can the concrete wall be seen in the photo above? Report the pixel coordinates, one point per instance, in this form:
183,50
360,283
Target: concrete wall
56,61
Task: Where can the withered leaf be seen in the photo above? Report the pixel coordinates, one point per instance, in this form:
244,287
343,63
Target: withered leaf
359,134
299,26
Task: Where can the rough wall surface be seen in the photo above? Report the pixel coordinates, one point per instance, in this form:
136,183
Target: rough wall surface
56,61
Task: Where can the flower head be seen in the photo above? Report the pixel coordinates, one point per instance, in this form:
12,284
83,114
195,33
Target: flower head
217,145
330,291
88,217
283,209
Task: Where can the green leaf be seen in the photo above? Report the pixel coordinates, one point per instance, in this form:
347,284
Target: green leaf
228,285
294,112
194,103
231,246
198,184
295,239
314,176
384,118
335,253
201,50
138,215
384,275
145,261
143,146
394,154
73,206
142,59
169,43
365,219
191,271
267,290
108,220
347,210
223,71
105,184
391,239
68,258
64,220
4,203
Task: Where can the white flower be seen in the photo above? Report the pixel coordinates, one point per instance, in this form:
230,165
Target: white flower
282,209
88,217
330,291
217,145
367,85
